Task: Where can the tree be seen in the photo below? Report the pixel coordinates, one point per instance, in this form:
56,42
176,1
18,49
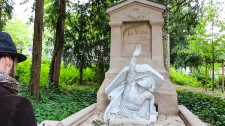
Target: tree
6,7
210,35
50,21
20,33
181,17
78,48
87,37
100,35
58,46
37,48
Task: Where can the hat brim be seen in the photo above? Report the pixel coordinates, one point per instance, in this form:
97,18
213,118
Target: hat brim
20,56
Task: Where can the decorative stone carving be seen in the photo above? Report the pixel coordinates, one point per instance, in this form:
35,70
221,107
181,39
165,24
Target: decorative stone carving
136,14
131,92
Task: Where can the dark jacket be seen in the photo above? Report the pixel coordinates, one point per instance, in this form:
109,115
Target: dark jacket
15,110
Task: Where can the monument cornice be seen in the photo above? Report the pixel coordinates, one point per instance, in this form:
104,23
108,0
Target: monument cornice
115,24
146,2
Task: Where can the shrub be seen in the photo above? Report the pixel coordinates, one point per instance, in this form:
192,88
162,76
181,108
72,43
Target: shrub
45,64
183,79
89,76
199,76
23,72
208,108
69,75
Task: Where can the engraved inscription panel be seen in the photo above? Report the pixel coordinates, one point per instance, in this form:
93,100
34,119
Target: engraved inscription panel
136,33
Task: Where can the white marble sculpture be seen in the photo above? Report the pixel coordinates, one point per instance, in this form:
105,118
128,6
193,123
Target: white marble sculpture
131,92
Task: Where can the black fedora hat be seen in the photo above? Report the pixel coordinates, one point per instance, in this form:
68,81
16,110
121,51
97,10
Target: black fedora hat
7,47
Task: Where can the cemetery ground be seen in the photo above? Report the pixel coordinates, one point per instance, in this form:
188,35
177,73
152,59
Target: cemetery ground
208,105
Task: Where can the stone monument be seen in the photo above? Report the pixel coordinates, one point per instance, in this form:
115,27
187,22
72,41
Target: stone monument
140,22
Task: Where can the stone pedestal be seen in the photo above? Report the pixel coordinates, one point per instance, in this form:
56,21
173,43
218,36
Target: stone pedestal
138,22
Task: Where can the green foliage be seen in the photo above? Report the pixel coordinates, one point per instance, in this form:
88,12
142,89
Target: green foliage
90,76
87,36
44,73
208,108
69,75
208,40
78,47
180,19
183,79
199,75
57,106
21,34
23,72
51,9
6,10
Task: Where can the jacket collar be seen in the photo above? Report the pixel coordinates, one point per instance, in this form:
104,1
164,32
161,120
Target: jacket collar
4,92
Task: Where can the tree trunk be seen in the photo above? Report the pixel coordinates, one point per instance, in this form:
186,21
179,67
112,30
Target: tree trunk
101,69
81,70
57,55
81,75
37,48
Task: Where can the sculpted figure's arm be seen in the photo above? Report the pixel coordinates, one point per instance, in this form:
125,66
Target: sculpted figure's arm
131,71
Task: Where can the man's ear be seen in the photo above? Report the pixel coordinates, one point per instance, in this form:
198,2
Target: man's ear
9,62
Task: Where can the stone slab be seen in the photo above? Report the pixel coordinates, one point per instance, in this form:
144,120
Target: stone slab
189,118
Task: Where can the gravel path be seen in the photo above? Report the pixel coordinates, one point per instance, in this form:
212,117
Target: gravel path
163,120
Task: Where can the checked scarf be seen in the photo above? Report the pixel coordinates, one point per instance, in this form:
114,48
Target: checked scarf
9,83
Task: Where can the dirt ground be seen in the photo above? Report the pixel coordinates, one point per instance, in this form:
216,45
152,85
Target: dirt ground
215,93
163,120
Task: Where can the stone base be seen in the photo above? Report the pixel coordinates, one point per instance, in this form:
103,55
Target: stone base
166,99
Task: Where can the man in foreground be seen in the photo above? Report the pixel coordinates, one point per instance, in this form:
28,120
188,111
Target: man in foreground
14,110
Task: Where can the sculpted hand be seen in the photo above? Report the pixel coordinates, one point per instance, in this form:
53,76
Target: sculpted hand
137,51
